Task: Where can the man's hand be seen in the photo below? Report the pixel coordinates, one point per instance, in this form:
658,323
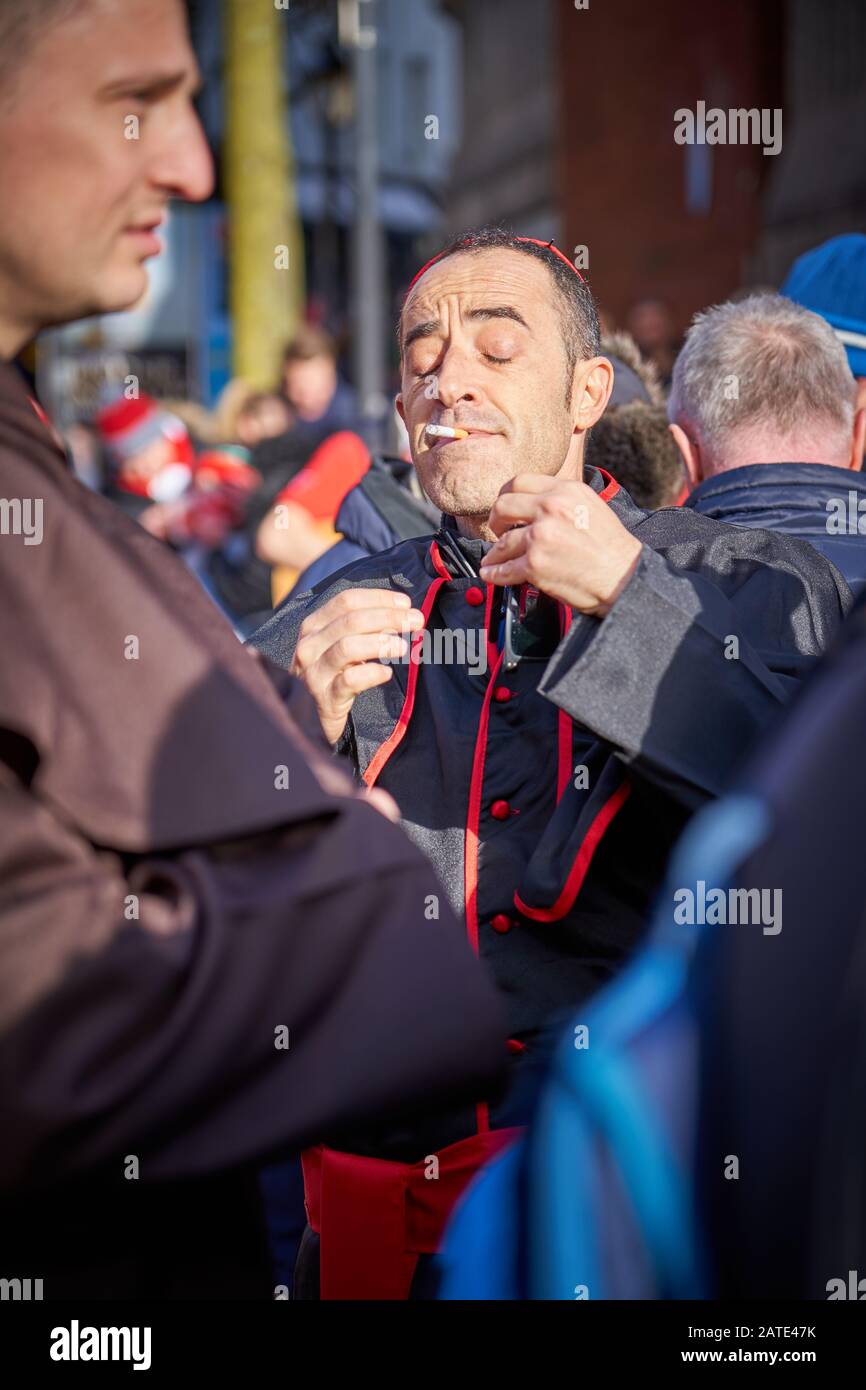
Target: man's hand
328,771
559,536
341,646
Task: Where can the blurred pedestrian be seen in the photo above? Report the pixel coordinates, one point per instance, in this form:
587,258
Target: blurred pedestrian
150,451
635,377
631,441
650,322
311,382
178,495
265,415
300,526
241,415
634,445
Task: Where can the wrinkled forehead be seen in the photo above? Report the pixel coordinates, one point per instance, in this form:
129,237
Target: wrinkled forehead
482,279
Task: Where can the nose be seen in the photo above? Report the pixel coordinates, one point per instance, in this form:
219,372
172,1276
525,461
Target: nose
456,380
184,167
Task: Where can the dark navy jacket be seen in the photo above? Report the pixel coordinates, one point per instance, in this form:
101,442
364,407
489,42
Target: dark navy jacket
549,797
821,505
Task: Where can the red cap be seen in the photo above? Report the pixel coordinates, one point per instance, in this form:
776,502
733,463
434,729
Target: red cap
127,426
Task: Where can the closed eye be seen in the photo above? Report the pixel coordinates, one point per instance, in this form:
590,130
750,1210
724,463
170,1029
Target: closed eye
421,373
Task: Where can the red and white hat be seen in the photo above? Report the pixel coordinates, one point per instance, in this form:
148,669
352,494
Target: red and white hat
128,426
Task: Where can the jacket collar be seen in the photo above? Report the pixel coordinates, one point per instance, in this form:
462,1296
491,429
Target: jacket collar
16,403
817,479
469,551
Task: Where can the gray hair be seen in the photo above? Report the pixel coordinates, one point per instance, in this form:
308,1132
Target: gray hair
761,363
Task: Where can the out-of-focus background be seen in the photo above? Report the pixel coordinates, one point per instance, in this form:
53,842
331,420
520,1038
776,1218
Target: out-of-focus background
554,119
352,137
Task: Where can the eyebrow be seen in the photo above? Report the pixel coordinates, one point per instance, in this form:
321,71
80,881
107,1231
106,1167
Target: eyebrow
155,84
496,311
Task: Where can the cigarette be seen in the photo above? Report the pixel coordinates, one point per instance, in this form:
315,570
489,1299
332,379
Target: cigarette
445,432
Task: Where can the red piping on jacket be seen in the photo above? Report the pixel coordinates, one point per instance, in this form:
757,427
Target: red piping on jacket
578,871
563,769
398,733
438,563
591,840
470,848
611,487
473,814
492,649
40,413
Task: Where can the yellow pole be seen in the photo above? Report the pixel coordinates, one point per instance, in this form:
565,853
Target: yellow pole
266,252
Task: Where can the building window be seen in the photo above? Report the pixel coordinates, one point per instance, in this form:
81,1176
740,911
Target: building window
698,179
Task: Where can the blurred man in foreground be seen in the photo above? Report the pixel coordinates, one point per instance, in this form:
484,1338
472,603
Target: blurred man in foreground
582,675
763,408
210,949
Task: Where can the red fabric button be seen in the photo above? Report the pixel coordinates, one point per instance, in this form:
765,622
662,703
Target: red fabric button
475,596
502,693
500,810
515,1046
501,922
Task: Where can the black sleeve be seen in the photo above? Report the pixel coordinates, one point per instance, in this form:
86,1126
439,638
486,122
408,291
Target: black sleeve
682,676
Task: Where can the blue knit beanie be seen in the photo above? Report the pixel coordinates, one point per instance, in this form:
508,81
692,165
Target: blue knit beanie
831,281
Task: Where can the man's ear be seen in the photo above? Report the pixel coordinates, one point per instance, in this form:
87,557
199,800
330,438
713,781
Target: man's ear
858,441
398,406
593,387
691,454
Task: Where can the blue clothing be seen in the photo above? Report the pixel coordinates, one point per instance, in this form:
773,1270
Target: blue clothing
817,503
831,281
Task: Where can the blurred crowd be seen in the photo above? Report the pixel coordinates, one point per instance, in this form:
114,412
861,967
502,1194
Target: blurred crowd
265,487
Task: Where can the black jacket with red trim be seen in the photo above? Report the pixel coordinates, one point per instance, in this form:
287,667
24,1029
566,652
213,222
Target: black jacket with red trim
549,797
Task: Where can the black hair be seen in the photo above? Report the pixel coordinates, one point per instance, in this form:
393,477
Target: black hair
634,444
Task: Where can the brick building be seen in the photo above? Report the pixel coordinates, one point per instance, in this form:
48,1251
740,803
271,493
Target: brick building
569,120
675,222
